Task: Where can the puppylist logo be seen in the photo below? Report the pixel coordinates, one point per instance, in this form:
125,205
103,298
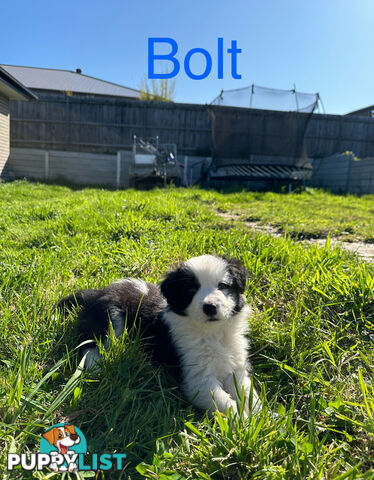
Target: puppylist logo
63,448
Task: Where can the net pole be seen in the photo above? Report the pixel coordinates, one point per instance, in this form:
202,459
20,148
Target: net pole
297,103
319,99
250,98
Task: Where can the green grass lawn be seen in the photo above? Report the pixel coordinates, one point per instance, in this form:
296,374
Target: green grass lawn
311,214
312,332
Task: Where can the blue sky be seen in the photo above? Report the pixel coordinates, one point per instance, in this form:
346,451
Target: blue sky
324,46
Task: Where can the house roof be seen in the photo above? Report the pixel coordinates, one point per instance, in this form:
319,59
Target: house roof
364,110
12,88
66,80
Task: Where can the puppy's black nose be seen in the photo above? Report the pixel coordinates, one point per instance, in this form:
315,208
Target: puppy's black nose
209,309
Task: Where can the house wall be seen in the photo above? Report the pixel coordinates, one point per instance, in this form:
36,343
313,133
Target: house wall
4,132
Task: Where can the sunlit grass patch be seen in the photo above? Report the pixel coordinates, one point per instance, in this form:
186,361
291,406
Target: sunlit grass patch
310,214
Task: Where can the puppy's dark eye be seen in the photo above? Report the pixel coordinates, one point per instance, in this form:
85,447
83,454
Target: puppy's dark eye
224,286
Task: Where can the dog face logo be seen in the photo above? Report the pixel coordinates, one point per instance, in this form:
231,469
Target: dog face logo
62,437
63,442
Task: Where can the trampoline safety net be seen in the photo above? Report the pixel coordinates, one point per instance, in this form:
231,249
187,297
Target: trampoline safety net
265,98
264,137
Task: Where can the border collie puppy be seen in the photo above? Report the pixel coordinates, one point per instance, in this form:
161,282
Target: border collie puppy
195,323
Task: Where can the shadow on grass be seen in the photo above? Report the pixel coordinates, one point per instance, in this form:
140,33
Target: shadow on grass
125,406
146,185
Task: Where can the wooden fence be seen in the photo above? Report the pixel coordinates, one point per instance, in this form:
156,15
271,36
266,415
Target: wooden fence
107,125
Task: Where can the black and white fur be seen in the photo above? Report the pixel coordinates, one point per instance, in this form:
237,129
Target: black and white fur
196,323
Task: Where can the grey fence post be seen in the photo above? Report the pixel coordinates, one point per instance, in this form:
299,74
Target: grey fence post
185,173
118,171
348,173
370,189
46,165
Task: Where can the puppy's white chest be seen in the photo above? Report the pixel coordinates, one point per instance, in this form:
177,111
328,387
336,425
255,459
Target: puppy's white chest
215,356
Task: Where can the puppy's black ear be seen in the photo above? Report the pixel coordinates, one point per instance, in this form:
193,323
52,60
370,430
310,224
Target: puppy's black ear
169,285
238,272
178,287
